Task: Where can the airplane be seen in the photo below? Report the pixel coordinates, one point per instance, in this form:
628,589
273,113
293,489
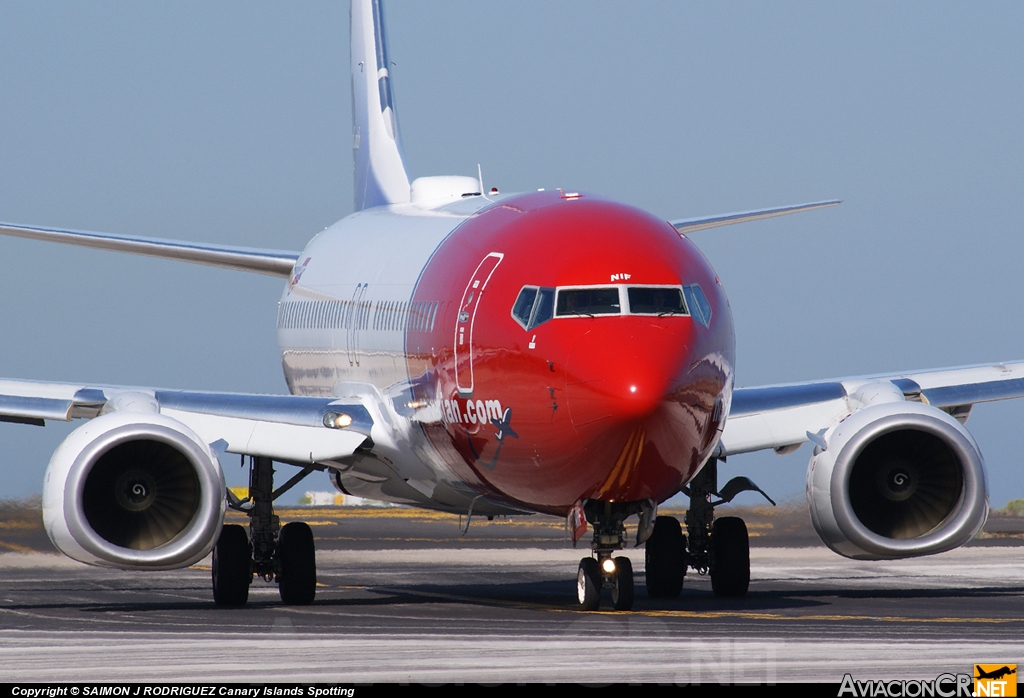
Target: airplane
995,673
456,348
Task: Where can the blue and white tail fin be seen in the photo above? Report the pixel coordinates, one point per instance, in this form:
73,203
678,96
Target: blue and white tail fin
380,176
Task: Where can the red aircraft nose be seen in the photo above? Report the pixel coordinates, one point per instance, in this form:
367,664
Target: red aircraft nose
614,406
623,369
642,403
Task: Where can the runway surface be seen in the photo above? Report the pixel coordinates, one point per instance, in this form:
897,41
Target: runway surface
403,597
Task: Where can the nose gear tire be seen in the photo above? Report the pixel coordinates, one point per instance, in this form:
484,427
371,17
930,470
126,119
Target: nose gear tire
622,588
588,584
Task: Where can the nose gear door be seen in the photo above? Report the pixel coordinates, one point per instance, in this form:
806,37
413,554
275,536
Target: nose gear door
464,322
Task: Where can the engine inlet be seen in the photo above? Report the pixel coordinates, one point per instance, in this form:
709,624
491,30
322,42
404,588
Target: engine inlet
141,494
905,483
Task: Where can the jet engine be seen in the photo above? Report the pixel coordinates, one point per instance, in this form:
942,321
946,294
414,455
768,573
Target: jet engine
894,480
134,491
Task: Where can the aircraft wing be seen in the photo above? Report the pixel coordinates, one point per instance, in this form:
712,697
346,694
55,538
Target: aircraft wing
287,428
271,262
782,417
691,225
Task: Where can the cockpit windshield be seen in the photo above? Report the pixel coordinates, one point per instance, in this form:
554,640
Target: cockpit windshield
536,304
656,300
588,301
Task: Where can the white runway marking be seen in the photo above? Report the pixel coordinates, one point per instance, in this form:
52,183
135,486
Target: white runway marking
283,656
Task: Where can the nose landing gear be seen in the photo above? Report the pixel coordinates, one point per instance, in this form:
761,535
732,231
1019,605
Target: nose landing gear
614,573
605,571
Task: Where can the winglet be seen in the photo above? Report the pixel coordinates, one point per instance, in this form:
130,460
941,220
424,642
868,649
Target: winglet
380,176
690,225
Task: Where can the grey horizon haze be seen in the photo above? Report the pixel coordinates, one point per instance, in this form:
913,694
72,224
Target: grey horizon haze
231,123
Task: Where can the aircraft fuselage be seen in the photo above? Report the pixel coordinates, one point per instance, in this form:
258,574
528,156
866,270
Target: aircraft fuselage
537,349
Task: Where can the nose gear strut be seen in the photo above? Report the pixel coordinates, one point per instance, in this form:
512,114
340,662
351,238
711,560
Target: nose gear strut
604,570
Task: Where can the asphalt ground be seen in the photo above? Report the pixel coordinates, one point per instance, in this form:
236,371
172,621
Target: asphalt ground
403,596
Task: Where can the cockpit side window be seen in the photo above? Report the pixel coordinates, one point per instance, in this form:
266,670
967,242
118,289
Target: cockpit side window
544,308
588,301
533,306
523,307
698,303
656,300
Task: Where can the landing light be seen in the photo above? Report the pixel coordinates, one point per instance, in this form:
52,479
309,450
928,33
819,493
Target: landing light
337,420
608,565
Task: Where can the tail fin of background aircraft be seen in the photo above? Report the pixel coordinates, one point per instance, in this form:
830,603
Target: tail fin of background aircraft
380,176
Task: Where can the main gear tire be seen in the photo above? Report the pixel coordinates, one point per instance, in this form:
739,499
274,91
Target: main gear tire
730,557
296,577
665,559
232,567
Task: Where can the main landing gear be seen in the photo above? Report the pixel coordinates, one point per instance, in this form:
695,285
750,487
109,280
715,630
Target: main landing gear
285,554
718,547
725,556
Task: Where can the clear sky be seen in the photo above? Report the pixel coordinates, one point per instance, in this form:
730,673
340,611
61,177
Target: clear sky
231,122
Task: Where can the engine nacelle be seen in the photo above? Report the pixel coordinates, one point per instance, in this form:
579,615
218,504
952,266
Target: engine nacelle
897,479
134,490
